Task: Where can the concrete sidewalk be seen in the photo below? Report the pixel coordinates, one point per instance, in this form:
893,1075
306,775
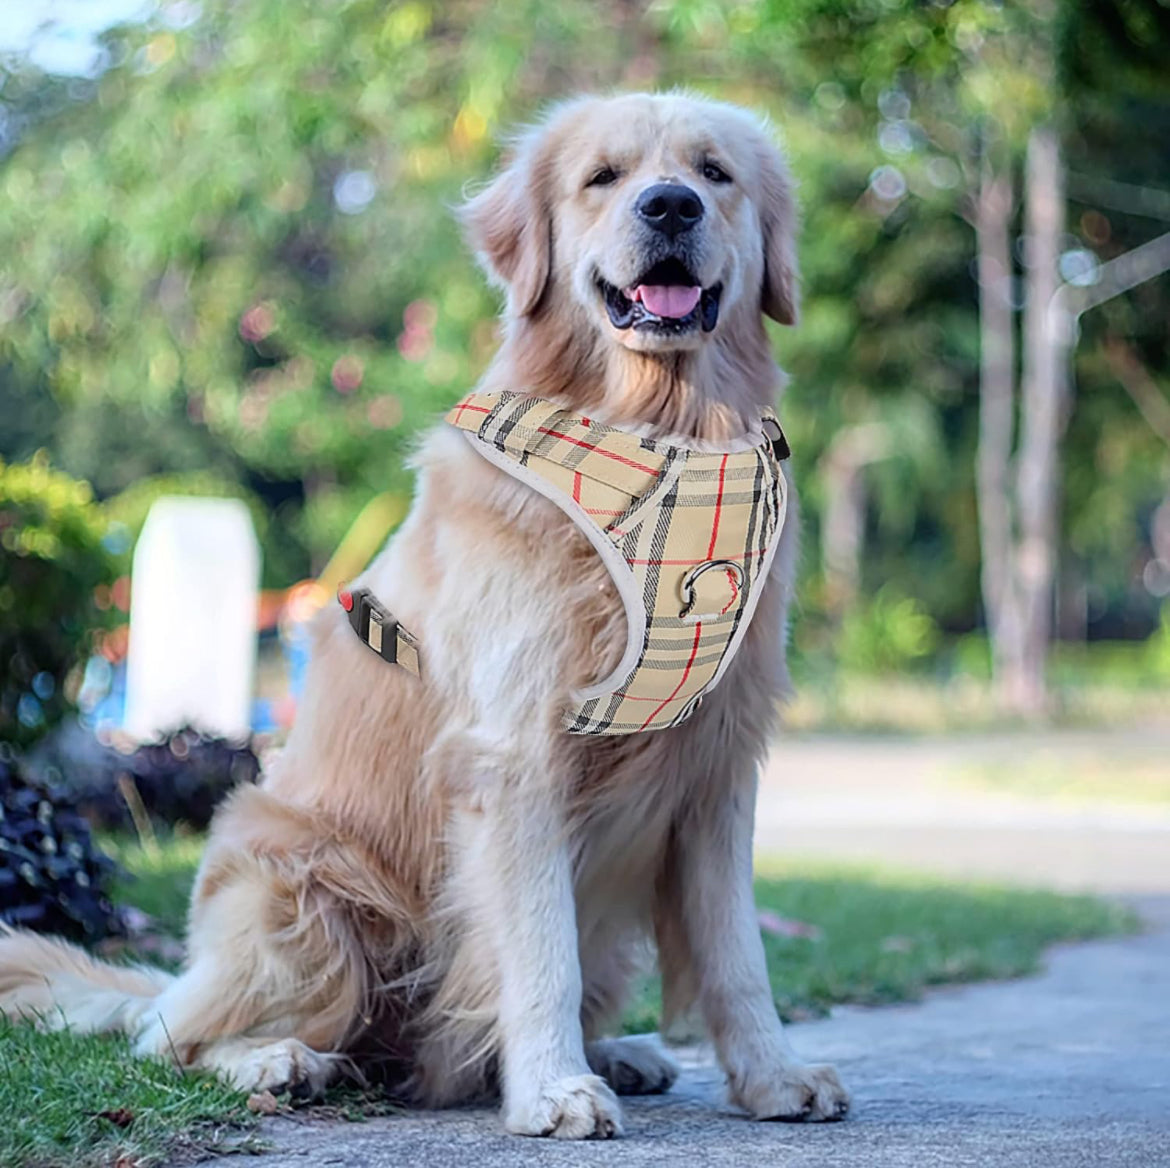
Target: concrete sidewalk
1067,1070
911,802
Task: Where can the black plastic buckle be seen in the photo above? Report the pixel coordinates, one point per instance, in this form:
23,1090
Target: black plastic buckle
776,439
372,622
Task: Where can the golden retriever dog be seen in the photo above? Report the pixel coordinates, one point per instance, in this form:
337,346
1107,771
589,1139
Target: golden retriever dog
434,877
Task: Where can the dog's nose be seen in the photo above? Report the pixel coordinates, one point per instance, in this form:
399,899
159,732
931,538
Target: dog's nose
669,207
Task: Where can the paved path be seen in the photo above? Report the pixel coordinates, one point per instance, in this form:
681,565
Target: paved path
1067,1070
912,802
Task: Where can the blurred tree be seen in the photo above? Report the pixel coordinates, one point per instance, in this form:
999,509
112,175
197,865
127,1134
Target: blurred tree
237,255
240,255
977,86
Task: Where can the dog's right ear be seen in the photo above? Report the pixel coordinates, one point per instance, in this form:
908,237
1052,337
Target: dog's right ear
509,226
778,220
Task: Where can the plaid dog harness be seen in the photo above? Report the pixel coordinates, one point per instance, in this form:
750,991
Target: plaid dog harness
687,536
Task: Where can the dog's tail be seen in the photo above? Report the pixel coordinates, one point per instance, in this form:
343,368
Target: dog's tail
57,985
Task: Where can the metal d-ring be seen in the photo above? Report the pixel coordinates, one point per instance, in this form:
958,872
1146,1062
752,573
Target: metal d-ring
688,582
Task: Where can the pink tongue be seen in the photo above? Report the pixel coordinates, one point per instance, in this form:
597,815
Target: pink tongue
669,300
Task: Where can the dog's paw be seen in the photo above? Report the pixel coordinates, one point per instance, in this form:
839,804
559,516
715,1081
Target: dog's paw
581,1107
637,1065
284,1065
794,1093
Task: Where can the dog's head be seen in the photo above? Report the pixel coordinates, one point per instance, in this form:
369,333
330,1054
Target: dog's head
656,221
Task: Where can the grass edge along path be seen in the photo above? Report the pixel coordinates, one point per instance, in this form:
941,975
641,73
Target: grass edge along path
832,934
838,933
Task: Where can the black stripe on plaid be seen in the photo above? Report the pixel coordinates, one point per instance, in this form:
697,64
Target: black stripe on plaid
493,417
698,471
729,498
711,634
698,662
583,719
505,417
638,502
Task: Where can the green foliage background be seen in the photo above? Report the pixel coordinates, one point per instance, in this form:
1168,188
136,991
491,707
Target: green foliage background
52,567
182,289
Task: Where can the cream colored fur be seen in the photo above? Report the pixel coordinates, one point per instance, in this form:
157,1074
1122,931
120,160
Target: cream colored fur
433,878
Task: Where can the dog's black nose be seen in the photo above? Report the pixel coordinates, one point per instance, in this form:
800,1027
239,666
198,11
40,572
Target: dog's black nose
669,207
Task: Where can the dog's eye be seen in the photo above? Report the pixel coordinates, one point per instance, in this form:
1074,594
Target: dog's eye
713,172
605,176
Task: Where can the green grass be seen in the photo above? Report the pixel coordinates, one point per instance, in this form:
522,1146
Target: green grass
902,704
880,938
56,1085
158,879
54,1088
884,937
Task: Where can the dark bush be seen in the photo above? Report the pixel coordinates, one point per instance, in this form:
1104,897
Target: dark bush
53,878
179,779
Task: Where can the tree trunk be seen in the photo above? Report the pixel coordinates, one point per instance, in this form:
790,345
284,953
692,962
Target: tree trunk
843,523
1001,600
1043,392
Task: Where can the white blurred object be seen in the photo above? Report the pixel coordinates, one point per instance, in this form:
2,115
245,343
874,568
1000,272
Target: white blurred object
192,653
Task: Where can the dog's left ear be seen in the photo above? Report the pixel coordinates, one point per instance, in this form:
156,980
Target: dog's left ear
778,219
509,225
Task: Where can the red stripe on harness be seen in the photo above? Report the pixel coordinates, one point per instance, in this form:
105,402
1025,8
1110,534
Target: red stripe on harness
597,449
682,680
718,509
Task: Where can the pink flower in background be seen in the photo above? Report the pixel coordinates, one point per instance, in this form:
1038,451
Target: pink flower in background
778,926
384,413
347,373
258,322
417,337
420,314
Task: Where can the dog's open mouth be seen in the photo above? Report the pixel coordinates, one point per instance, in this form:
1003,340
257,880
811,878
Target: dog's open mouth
665,298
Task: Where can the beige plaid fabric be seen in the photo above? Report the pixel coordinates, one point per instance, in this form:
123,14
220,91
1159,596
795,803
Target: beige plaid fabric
688,537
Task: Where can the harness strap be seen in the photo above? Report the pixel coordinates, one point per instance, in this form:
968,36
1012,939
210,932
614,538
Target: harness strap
612,482
526,427
379,629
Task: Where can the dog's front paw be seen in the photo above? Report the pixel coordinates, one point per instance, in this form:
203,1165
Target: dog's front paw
794,1093
581,1107
283,1065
